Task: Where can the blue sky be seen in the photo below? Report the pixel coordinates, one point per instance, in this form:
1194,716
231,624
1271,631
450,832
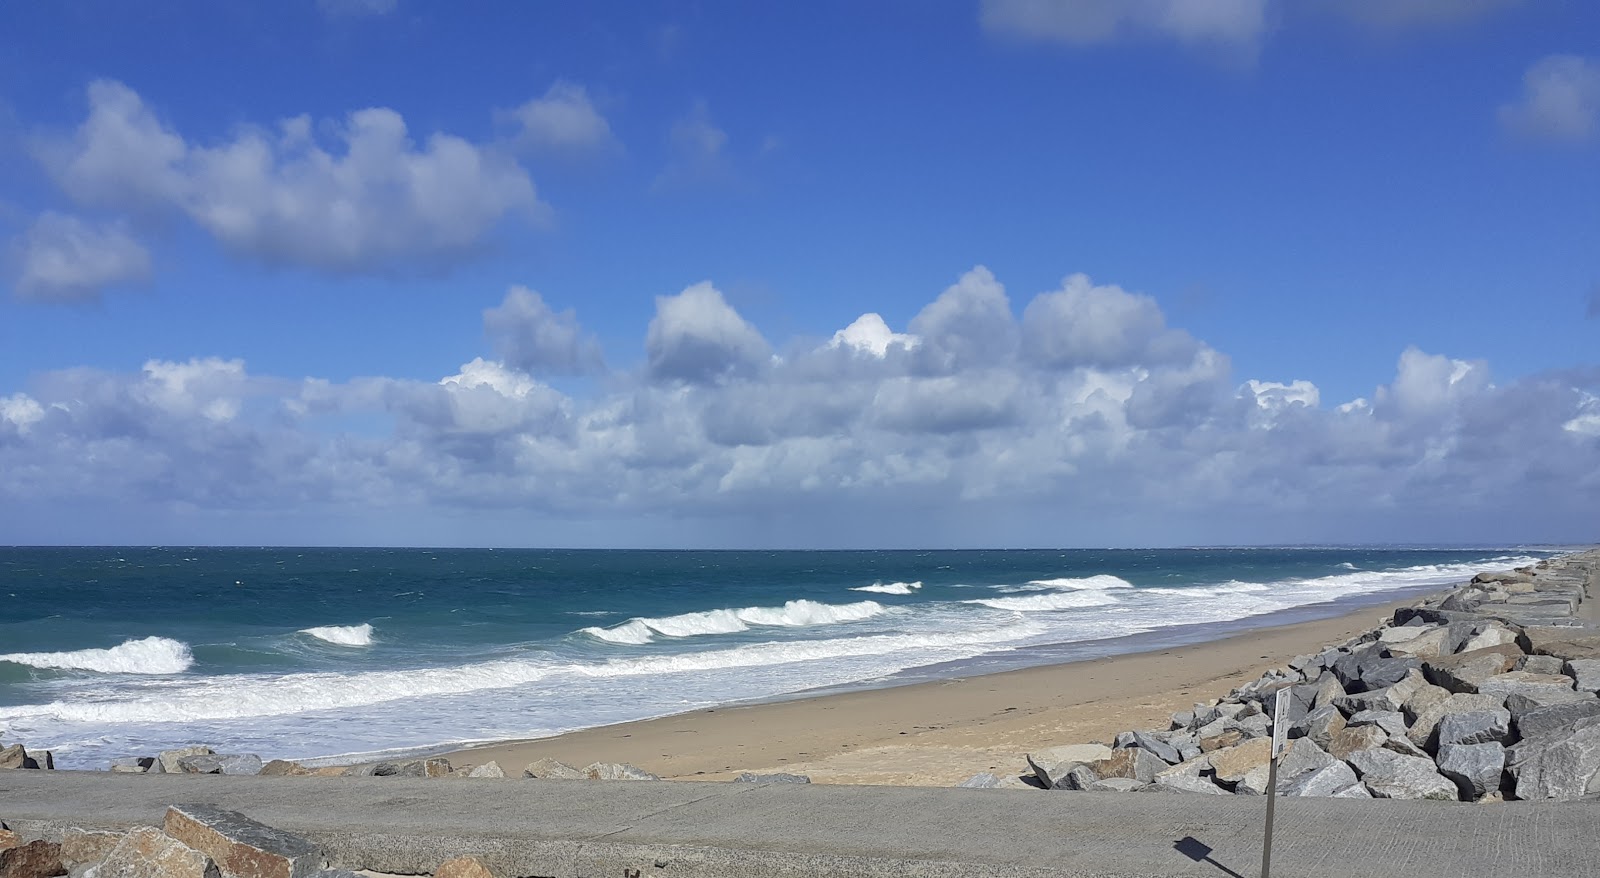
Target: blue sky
1327,246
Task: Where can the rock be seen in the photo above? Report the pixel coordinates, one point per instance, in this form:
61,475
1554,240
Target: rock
1131,762
1387,698
1221,741
1231,764
1562,766
1425,725
464,867
81,848
1393,722
241,847
40,759
981,781
616,771
437,766
200,765
283,768
14,756
1503,576
1253,726
1074,776
133,764
1182,720
784,777
1541,664
1320,725
1425,697
1186,745
554,769
1117,785
1387,672
1402,745
1354,791
1566,642
1586,672
1475,768
1192,767
1475,727
1524,683
1544,721
1325,781
36,859
1432,643
1302,757
488,769
1145,740
1493,635
1328,688
1186,783
1348,669
1389,775
167,760
1391,636
144,852
8,839
1464,671
1352,739
1254,782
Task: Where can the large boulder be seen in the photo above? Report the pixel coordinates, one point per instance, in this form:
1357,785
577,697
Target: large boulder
1475,768
555,769
617,771
1567,642
1354,738
145,852
82,848
36,859
241,847
1524,683
490,769
1491,635
1390,775
437,766
167,760
1585,672
1149,741
1186,783
1543,721
1475,727
1425,723
1563,766
1320,725
1325,781
1130,762
1431,642
13,757
1393,722
1051,764
1541,664
1464,671
1117,785
1231,764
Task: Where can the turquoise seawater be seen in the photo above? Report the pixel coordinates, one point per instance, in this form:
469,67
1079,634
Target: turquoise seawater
308,653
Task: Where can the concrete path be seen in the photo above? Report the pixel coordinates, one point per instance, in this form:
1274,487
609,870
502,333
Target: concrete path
622,828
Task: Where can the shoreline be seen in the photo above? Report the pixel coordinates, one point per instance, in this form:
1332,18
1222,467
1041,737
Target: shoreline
938,732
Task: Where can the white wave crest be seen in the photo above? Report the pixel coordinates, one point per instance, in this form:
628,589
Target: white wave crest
1096,582
1200,591
150,655
343,635
794,614
890,587
240,696
1071,600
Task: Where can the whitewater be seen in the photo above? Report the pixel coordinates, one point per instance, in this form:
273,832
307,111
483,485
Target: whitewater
331,653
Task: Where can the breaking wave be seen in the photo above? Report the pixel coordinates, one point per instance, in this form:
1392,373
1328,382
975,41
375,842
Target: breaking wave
1070,600
1098,582
793,614
890,587
150,655
343,635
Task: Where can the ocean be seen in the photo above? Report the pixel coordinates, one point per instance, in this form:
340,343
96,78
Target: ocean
331,654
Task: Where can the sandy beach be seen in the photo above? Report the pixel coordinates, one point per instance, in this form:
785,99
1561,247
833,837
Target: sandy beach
941,732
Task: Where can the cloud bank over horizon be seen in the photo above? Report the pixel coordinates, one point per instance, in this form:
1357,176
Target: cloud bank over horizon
1087,409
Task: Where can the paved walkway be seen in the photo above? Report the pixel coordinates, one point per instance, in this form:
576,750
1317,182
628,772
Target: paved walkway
596,828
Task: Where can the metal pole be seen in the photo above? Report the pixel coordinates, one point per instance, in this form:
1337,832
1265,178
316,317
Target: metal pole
1272,799
1280,737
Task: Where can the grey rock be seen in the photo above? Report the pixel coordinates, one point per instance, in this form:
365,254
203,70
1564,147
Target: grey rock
1563,766
785,777
490,769
617,771
1186,783
981,781
1586,673
200,765
1328,688
553,769
1254,782
1350,668
1254,726
1393,722
241,764
1132,762
1302,756
1354,791
1390,775
1524,683
1354,738
1049,764
1475,768
434,767
1541,664
1117,785
1463,672
1187,745
1076,776
144,852
1475,727
1431,643
1425,725
167,760
1402,745
1147,741
241,847
1182,720
132,764
1543,722
1320,725
1325,781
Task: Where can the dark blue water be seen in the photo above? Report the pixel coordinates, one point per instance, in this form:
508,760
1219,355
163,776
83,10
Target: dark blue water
303,653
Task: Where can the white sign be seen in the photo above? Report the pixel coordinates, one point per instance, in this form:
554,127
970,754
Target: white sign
1280,722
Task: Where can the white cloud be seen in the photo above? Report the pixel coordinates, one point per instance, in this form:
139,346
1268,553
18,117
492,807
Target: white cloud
870,334
63,258
531,336
1236,24
964,438
697,153
1560,101
1083,324
563,119
696,336
377,202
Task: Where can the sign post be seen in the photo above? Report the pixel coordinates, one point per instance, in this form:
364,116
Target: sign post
1280,737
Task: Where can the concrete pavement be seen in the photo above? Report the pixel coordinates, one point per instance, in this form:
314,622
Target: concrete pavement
597,828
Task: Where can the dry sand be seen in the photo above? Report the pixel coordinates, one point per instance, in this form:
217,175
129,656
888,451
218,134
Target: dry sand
939,733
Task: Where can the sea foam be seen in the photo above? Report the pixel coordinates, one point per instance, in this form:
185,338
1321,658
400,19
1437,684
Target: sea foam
793,614
1070,600
343,635
150,655
890,587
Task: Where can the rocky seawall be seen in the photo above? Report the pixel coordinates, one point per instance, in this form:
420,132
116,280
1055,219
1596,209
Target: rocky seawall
1484,693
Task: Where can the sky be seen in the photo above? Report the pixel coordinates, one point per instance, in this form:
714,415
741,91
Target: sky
705,274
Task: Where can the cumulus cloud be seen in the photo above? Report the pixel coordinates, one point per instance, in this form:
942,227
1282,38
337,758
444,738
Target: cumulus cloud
976,432
66,258
1236,24
529,335
563,119
696,336
375,201
1560,101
